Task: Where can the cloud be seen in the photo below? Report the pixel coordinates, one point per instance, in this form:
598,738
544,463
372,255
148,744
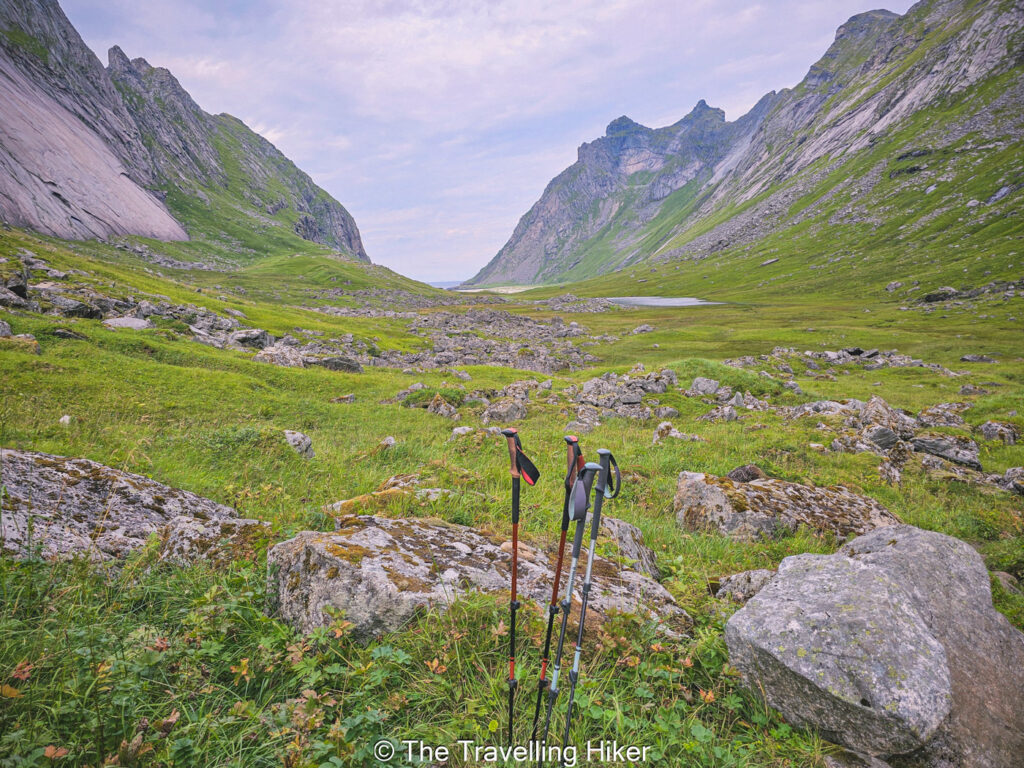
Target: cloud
437,123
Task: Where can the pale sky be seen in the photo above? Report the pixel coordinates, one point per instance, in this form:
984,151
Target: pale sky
437,124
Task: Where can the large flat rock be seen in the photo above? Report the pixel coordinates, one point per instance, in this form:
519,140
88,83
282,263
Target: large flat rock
768,507
382,572
59,507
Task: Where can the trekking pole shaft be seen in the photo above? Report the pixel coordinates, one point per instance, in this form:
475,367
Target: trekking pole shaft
602,481
513,607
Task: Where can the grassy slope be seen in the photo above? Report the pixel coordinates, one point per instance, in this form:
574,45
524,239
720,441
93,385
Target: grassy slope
108,650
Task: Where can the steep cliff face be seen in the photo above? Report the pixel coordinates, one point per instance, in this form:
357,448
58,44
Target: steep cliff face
199,154
92,152
72,161
931,77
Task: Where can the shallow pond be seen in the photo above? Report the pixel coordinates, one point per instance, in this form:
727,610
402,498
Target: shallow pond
660,301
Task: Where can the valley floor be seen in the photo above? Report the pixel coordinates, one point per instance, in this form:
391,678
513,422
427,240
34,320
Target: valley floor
147,663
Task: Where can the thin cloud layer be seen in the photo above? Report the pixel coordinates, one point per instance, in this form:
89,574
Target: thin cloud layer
437,124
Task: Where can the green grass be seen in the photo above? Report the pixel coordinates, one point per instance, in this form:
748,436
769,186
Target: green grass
91,654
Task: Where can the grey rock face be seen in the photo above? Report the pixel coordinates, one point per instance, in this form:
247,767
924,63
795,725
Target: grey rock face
959,450
740,587
255,338
442,407
77,506
134,323
218,540
995,430
890,647
123,131
383,572
302,444
338,363
279,354
630,543
769,507
504,411
702,386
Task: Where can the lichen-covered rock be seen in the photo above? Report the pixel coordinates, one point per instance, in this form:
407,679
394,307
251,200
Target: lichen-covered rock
740,587
134,323
943,415
959,450
442,407
878,413
254,338
302,444
769,507
279,354
337,363
504,411
665,430
77,506
630,542
216,540
999,430
890,647
721,413
381,573
702,386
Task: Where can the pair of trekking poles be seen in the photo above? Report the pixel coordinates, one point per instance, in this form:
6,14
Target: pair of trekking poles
580,479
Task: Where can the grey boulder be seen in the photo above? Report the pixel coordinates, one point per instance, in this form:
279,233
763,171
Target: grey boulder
999,430
890,647
338,363
629,540
302,444
134,323
740,587
959,450
504,411
702,386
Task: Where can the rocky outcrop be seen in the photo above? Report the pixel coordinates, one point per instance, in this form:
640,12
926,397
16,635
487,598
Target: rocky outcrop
769,507
380,573
62,507
890,647
584,198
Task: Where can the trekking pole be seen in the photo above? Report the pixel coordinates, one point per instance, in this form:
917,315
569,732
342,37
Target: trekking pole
578,512
519,467
574,462
603,491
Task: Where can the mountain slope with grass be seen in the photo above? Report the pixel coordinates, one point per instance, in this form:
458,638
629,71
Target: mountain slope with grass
139,155
907,123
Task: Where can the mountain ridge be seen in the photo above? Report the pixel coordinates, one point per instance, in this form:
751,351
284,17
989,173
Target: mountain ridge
881,71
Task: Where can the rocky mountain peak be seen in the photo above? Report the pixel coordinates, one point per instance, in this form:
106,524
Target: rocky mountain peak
863,24
624,125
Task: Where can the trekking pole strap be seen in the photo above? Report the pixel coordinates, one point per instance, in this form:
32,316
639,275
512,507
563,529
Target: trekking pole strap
608,487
